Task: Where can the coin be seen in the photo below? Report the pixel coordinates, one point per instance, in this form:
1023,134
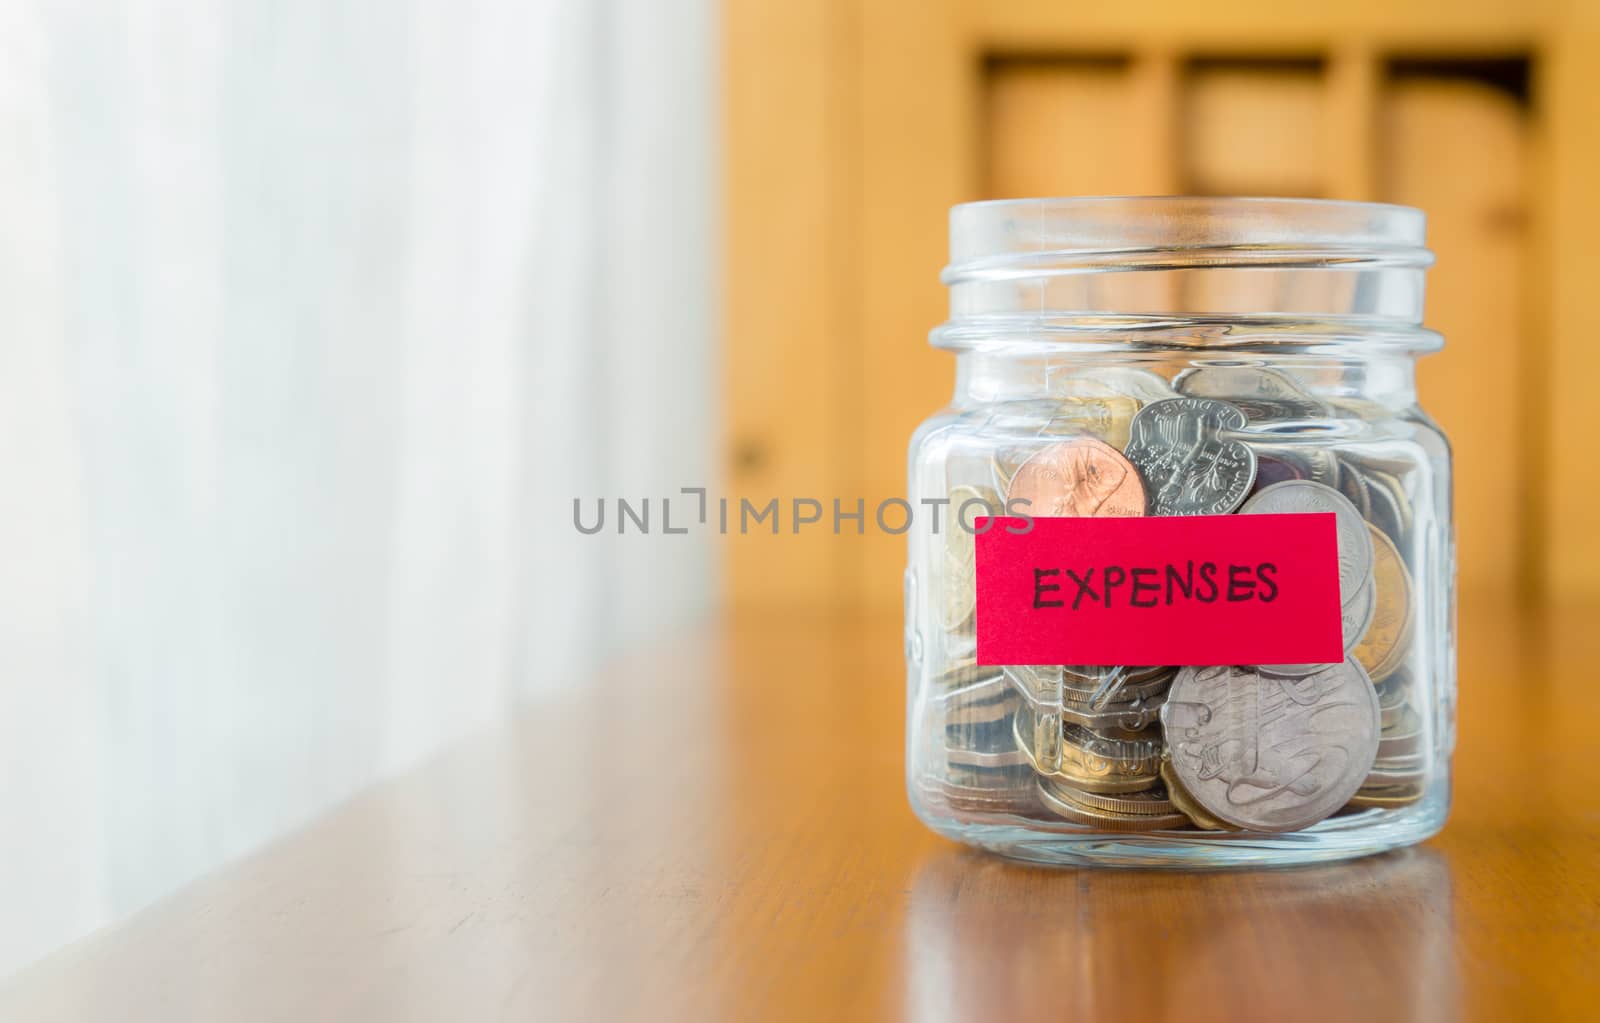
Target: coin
1001,791
1391,507
986,758
1355,618
1023,424
1403,738
1133,688
961,645
963,673
1149,803
1039,684
979,717
1123,716
1189,464
1385,796
960,566
1270,470
1187,804
1355,554
1044,687
1107,418
1103,686
1355,543
1100,764
1239,380
1283,417
1078,478
1268,753
1396,770
1083,759
1104,381
1089,677
1392,697
981,703
1057,802
1115,730
1272,400
1354,487
1386,641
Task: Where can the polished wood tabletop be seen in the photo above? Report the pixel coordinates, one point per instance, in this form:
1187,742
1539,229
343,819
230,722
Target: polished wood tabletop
718,830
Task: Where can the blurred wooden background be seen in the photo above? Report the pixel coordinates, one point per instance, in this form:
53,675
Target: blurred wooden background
852,125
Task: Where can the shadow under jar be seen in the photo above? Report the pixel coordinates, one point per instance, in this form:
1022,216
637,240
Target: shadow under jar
1170,357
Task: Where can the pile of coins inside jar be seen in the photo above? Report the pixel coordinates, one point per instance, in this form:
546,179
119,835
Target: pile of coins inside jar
1234,748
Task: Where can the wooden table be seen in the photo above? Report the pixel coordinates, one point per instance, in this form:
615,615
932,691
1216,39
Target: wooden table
718,831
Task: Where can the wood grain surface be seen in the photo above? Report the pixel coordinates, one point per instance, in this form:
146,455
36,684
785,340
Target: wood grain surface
718,831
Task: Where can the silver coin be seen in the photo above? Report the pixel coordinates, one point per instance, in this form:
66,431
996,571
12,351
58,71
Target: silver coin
1355,545
1044,688
1189,464
1391,507
1140,682
1398,770
1280,415
1271,400
1098,381
1239,381
1353,486
1012,757
1040,685
1267,753
1355,618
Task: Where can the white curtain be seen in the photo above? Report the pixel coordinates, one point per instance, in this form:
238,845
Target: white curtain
314,318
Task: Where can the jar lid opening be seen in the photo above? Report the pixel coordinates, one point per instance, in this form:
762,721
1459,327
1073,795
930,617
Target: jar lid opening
987,232
1017,264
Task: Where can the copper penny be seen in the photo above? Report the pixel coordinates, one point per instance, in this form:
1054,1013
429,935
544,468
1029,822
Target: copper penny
1078,479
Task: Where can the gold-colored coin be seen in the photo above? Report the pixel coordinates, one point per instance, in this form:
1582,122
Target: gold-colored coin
1152,802
1108,418
1385,796
1095,409
1149,733
1059,803
1388,638
1111,381
1080,767
1106,765
1187,804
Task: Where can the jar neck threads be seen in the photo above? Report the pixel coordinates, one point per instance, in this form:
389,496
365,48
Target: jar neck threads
1072,271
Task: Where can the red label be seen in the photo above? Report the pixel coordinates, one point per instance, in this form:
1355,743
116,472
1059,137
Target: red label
1203,589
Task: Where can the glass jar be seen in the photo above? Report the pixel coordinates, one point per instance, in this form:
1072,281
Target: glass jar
1147,359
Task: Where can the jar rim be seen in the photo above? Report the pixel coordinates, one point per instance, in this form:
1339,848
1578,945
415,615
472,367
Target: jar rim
1088,233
